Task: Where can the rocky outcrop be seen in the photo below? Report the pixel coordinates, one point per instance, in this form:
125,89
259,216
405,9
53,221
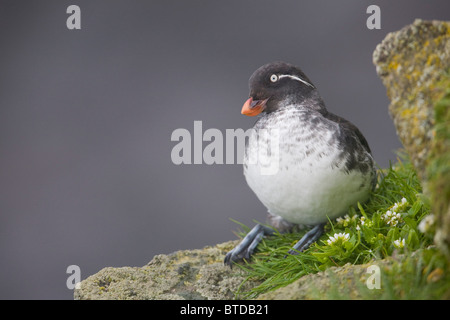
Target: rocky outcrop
414,65
346,282
197,274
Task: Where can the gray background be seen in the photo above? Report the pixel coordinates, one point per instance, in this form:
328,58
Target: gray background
86,118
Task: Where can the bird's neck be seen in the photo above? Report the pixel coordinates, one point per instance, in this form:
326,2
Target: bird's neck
312,101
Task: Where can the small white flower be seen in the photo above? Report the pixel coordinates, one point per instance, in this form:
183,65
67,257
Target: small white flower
363,220
338,237
346,220
399,243
391,217
399,206
426,223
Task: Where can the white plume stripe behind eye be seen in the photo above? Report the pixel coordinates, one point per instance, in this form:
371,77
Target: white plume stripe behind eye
295,78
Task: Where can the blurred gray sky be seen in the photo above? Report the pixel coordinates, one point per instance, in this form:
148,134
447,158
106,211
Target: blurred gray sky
86,118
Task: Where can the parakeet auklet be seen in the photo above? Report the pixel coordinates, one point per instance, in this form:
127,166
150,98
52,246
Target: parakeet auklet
305,164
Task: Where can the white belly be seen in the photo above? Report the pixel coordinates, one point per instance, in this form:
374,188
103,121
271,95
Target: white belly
301,180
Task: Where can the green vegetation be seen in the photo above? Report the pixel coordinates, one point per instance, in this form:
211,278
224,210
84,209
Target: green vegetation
438,168
396,221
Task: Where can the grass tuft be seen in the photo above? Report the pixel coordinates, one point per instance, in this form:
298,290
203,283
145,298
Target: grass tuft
388,224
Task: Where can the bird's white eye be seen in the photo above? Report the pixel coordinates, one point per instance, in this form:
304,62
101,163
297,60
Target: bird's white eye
274,78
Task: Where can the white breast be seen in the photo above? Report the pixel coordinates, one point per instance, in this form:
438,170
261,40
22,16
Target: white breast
293,168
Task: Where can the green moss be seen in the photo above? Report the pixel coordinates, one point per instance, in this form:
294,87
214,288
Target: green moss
438,169
419,276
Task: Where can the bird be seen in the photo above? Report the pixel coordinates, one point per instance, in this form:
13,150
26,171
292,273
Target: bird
305,164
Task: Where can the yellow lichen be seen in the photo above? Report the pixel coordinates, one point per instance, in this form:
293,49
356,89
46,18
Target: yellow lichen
433,59
406,113
393,65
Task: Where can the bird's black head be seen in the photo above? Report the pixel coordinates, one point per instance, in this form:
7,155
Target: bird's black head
277,84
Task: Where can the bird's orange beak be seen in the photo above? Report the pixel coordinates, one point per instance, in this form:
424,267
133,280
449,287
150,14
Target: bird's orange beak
252,107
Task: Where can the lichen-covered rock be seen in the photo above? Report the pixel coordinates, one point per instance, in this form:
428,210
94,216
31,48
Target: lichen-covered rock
336,282
187,274
410,63
414,65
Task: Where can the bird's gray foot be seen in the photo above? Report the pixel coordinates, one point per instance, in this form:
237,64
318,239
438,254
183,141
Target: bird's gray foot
246,247
310,237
